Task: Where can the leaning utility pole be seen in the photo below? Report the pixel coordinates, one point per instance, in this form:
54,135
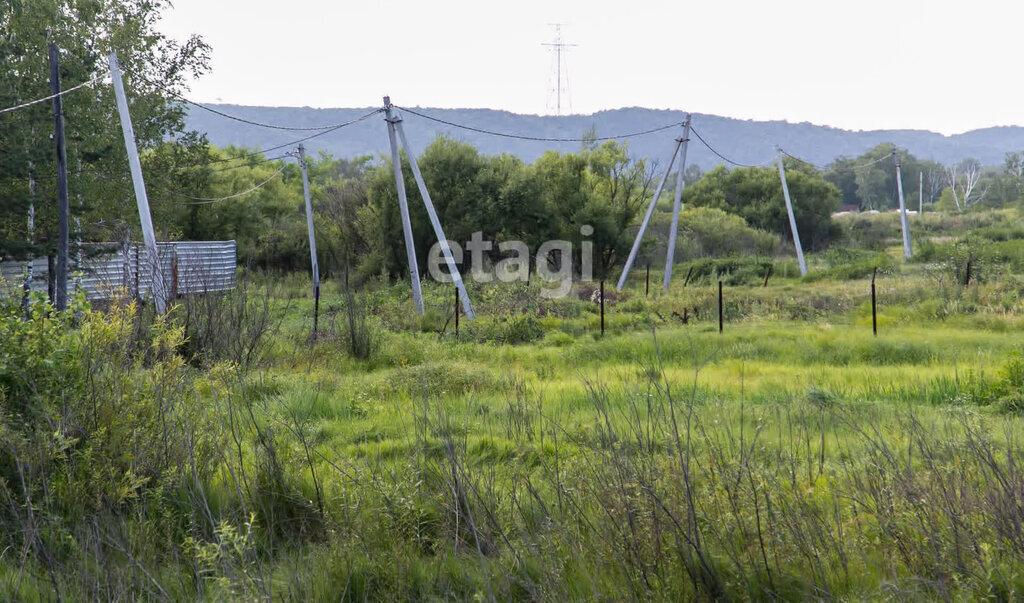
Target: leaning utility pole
403,205
789,210
453,269
647,216
677,206
312,242
905,227
63,209
145,220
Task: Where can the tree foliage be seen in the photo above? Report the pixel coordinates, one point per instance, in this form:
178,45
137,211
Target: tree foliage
755,194
85,32
506,199
869,180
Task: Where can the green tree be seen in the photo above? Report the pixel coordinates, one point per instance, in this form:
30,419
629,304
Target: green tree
755,194
869,181
85,32
504,199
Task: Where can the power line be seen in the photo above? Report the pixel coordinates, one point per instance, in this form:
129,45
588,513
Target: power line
723,157
536,138
826,168
249,121
290,143
244,165
53,96
209,200
243,120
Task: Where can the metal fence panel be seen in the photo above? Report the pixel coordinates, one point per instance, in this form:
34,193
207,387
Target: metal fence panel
13,273
202,266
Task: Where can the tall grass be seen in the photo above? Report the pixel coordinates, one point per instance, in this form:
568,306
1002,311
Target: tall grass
221,454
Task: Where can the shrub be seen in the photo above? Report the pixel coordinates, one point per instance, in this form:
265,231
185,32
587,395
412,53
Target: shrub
850,264
732,271
716,233
870,231
227,325
510,328
360,338
91,422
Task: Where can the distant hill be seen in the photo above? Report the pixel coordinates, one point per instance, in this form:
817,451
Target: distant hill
745,141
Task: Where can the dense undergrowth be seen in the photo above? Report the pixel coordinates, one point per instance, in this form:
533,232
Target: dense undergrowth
225,452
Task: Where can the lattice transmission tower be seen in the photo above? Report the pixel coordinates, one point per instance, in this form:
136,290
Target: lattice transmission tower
559,92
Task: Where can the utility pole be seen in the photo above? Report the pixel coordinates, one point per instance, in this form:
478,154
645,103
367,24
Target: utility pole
312,242
78,224
558,46
920,193
677,205
908,252
789,210
403,206
145,220
647,217
26,300
63,210
453,269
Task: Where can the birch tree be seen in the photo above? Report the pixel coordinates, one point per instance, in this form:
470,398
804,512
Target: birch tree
963,179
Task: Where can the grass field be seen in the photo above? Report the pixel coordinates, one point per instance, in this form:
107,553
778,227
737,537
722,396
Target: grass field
226,453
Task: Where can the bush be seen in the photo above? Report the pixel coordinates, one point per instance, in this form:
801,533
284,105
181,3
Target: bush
360,338
713,232
510,328
91,422
227,325
870,231
732,271
850,264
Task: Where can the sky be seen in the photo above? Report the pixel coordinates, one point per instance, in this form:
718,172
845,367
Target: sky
934,65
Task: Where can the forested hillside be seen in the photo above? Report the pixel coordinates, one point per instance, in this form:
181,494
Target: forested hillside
742,140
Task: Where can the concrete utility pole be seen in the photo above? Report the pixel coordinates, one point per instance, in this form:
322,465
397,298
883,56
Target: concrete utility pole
453,269
145,219
403,206
647,217
26,300
63,209
908,252
78,226
312,241
789,210
677,205
920,193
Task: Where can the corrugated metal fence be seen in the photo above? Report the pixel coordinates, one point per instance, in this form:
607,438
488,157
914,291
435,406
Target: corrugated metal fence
186,267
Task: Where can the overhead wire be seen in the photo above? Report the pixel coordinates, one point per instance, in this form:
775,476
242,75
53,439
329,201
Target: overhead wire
328,128
723,157
244,165
53,96
289,143
226,115
534,138
249,121
209,200
826,168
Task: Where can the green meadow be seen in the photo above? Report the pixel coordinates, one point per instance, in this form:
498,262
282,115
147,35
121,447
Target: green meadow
227,452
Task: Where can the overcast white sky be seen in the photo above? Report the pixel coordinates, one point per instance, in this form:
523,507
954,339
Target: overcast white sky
856,64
